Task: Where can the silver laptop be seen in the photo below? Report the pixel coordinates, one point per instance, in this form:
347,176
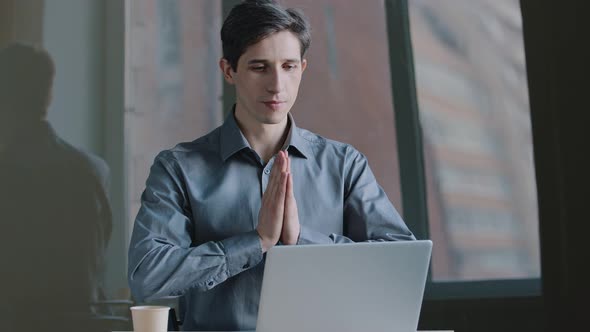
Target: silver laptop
374,287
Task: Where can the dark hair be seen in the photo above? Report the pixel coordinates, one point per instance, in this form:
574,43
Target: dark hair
26,77
253,20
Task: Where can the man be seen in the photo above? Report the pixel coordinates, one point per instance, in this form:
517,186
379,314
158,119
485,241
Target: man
214,206
54,212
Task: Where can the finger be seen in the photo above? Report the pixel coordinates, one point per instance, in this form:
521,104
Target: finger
269,187
285,161
290,184
288,162
273,185
277,200
278,161
275,174
277,167
289,192
283,187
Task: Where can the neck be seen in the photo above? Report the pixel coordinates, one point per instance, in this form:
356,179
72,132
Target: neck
265,139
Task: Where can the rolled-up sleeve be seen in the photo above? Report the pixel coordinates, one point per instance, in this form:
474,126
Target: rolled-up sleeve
162,260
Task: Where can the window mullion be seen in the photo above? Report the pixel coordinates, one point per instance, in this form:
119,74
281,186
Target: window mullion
408,129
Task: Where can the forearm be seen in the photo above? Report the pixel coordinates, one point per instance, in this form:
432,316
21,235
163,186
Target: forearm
158,269
310,236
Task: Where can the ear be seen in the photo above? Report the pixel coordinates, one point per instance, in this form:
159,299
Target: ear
303,65
226,70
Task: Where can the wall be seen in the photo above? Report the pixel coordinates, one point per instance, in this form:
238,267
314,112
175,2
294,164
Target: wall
73,35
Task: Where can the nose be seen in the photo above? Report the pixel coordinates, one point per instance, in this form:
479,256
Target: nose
275,82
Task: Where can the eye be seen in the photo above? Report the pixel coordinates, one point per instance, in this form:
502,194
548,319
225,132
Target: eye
258,68
290,66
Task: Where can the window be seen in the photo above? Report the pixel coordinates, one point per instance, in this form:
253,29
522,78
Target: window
345,93
476,138
446,129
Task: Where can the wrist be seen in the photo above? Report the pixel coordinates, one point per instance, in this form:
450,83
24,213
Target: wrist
292,237
264,244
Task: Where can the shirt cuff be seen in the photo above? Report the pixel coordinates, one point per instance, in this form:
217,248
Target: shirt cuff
242,252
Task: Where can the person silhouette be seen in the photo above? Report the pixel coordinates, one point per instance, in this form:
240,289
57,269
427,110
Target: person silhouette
55,214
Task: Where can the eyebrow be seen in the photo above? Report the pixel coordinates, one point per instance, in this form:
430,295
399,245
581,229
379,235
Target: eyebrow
262,61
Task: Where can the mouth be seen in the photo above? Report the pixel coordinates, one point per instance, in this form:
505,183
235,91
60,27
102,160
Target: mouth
274,104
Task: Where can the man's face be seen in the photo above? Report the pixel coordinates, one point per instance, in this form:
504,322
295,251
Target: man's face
267,79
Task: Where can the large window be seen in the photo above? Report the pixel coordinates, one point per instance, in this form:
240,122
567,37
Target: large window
473,106
346,91
174,89
434,93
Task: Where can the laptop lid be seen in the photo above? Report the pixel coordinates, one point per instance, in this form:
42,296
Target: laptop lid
375,287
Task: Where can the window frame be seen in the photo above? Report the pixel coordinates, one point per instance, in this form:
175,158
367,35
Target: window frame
411,160
412,167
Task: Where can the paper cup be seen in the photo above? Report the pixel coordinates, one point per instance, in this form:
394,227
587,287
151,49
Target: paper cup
150,318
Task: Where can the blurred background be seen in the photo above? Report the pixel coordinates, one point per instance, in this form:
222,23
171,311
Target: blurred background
135,77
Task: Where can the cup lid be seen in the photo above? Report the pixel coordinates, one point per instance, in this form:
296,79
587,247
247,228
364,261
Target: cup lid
150,307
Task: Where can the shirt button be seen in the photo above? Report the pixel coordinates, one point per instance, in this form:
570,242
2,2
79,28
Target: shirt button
245,266
210,283
267,171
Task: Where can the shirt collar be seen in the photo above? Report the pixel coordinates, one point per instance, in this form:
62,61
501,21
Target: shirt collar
232,140
296,141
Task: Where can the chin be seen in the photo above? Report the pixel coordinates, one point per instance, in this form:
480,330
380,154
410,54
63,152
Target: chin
274,118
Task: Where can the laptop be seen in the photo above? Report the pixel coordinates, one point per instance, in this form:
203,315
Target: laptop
372,287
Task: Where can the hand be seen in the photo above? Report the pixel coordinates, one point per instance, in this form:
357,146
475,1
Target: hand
291,226
271,215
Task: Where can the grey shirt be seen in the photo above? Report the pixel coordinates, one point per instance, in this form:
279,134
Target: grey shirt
195,237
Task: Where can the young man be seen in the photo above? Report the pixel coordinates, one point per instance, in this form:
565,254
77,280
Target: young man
214,206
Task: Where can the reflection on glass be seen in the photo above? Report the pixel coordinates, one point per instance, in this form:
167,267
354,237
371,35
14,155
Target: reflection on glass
474,111
55,215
